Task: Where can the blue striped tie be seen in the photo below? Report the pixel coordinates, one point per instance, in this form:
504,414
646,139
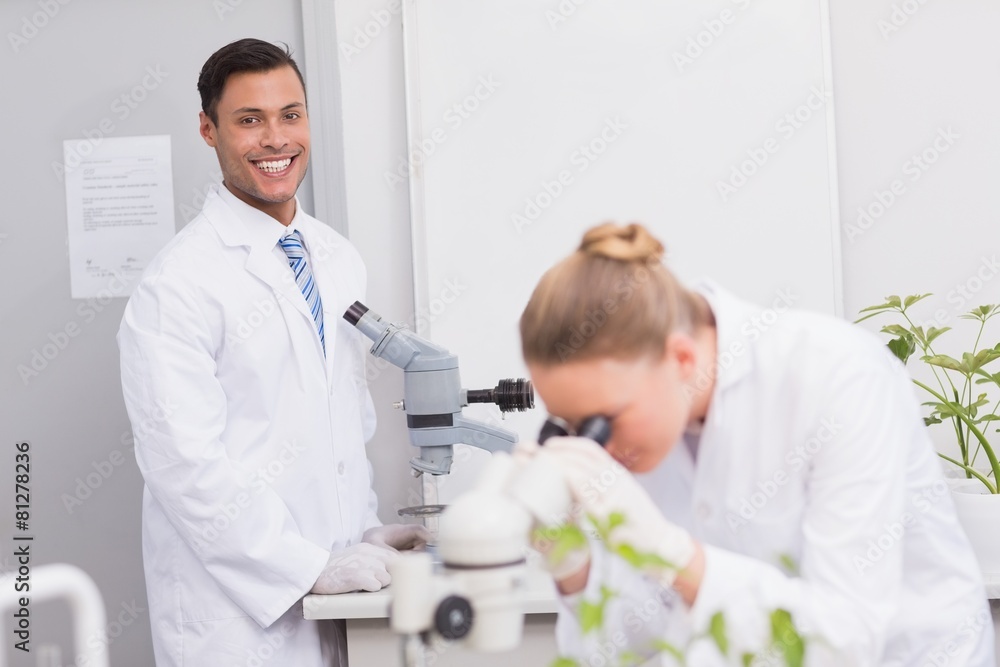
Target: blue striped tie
294,248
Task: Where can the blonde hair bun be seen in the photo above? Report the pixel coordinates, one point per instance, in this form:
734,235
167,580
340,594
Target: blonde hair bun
627,243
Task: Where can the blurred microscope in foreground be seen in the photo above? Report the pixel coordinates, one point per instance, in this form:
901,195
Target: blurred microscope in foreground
476,596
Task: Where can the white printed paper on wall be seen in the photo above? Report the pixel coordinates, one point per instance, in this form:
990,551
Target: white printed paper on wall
119,202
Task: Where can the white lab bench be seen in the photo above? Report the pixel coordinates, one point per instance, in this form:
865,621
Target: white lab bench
371,642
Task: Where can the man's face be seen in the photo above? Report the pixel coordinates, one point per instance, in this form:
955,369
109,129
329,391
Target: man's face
262,136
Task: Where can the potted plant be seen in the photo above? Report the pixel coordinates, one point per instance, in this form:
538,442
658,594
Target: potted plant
956,401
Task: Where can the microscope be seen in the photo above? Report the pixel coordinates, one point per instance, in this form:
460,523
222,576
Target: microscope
433,402
476,594
433,394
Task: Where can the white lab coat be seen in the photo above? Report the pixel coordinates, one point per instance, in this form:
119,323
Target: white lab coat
251,444
813,448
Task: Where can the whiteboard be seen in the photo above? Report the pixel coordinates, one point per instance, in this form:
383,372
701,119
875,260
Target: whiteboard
711,122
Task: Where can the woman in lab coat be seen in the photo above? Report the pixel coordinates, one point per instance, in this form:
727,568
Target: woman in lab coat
778,461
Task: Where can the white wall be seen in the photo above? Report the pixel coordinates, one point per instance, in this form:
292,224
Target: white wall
897,92
374,122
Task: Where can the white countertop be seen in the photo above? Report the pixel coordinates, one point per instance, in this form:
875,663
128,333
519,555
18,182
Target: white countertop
992,582
539,597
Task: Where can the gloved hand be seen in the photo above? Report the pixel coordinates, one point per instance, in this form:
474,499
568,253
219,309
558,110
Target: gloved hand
398,536
359,567
563,547
627,519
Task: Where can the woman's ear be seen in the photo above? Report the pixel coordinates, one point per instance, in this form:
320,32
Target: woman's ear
680,349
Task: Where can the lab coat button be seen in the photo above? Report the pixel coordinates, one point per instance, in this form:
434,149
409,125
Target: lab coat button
704,511
340,468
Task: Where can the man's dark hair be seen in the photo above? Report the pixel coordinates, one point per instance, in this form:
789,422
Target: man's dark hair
245,55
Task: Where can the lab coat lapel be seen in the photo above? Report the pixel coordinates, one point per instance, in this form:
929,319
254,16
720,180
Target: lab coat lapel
261,261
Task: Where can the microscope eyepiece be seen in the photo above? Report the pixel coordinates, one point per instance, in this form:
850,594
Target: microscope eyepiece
596,428
355,312
510,395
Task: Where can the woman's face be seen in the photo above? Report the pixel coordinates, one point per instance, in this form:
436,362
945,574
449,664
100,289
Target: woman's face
647,400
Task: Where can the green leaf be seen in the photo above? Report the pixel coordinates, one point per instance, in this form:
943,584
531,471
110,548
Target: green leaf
789,564
717,630
642,561
982,313
629,659
913,298
564,662
932,420
896,330
661,646
785,635
605,527
565,539
934,332
888,305
902,347
973,408
592,613
747,659
893,301
981,358
944,361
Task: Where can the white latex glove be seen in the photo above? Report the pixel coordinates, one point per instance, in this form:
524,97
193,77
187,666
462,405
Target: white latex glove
561,564
602,487
359,567
398,536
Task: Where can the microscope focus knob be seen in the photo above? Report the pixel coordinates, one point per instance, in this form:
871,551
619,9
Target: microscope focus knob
453,618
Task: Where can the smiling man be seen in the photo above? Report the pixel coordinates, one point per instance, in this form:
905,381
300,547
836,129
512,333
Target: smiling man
257,485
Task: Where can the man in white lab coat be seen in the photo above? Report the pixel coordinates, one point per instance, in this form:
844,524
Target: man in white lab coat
247,395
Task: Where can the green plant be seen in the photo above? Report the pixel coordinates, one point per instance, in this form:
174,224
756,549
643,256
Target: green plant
954,403
785,642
